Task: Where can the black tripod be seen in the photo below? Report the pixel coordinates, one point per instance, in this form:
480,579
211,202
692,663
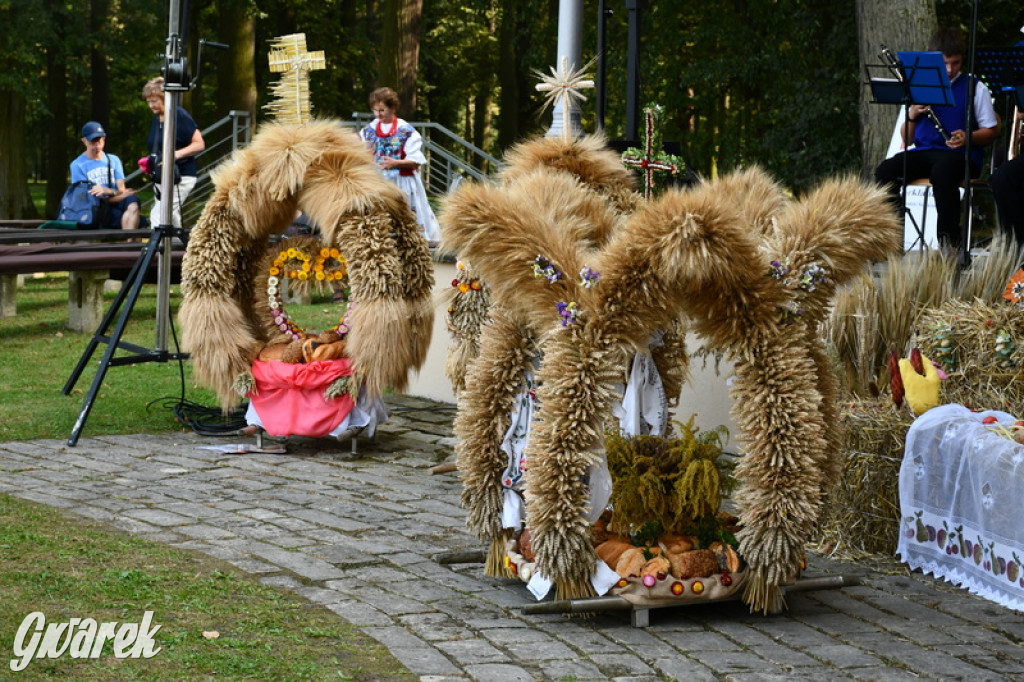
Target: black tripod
176,81
126,298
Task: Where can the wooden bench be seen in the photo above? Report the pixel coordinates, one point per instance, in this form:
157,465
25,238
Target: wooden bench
90,257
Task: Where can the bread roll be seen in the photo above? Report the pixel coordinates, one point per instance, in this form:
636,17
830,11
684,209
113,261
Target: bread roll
659,567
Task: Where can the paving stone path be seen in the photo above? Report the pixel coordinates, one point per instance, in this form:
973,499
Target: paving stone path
359,533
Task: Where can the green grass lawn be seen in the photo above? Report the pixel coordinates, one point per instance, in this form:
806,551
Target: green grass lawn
215,621
67,567
40,354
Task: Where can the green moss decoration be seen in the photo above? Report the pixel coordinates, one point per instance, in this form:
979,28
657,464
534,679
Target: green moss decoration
670,483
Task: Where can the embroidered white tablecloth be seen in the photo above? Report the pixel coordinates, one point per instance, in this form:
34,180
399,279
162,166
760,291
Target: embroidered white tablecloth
961,496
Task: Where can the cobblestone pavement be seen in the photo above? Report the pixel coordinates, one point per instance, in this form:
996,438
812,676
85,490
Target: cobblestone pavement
360,533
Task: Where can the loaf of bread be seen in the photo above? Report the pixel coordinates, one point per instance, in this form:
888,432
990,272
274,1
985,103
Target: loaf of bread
631,563
673,543
697,563
329,351
728,559
526,545
611,550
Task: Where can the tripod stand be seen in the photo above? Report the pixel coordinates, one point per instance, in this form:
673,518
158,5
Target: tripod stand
127,297
176,81
915,78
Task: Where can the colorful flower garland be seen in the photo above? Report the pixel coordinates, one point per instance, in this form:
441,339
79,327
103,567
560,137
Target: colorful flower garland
293,263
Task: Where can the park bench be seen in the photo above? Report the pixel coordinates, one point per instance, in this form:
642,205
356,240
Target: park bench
90,257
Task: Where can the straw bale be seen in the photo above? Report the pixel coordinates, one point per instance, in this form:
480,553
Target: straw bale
861,514
980,376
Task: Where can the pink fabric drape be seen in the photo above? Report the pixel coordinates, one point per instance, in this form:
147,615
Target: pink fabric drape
289,398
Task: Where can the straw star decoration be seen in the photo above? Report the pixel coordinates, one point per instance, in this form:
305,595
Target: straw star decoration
563,87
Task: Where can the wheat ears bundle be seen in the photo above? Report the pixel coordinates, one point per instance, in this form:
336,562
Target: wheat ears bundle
569,253
325,170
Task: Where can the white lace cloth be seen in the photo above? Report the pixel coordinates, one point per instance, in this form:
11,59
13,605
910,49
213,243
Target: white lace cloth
961,490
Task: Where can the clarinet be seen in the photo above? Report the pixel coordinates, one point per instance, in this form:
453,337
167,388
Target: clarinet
896,69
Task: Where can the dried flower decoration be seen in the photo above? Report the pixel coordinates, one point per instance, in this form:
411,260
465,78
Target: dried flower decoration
1005,347
779,269
945,350
790,311
811,276
568,312
589,276
542,267
326,265
807,279
463,287
1015,288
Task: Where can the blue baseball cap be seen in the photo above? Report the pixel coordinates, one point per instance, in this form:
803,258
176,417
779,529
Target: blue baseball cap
93,130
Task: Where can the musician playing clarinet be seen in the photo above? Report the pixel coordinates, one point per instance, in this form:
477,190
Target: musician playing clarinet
939,139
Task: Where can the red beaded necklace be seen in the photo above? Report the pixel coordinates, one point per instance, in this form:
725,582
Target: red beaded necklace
394,127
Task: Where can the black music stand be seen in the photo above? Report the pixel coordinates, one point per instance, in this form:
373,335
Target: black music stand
1002,70
913,78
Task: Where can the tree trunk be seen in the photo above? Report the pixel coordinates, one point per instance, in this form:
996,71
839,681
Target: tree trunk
237,77
99,77
483,100
508,75
899,25
390,44
14,195
57,155
409,56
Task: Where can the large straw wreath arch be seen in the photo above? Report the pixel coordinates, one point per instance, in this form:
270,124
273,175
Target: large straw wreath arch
752,270
323,169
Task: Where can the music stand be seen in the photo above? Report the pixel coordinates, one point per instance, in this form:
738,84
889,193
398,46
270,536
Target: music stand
1002,69
913,78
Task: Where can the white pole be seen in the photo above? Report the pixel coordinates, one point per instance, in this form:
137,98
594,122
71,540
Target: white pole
570,47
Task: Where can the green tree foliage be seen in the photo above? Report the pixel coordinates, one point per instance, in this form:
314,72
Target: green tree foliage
756,81
774,82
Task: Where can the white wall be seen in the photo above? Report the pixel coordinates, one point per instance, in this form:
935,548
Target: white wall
706,395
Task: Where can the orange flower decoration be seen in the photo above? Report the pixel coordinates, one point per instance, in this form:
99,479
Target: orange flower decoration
1015,288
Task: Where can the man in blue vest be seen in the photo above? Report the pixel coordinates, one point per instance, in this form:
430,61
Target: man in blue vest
106,173
933,156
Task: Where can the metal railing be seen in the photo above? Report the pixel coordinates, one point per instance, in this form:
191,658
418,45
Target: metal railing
450,158
223,138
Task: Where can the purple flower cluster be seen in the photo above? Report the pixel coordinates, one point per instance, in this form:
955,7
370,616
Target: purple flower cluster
542,267
589,276
568,312
779,269
811,277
